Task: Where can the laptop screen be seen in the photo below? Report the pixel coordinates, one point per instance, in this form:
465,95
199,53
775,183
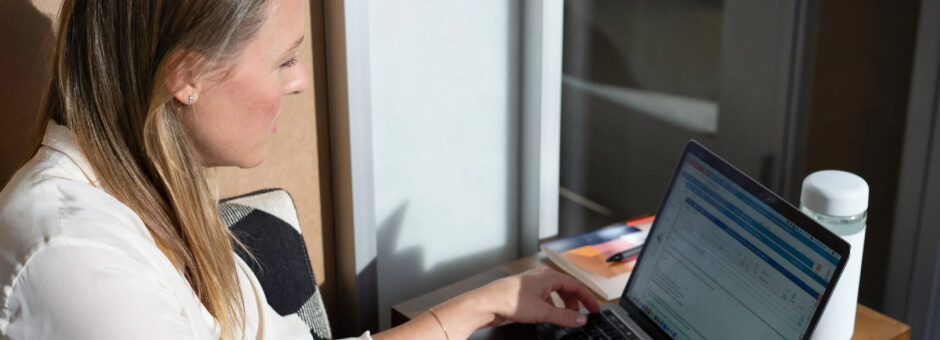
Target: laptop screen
721,264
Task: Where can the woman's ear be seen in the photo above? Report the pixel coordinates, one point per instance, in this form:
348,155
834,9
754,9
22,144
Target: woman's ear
180,78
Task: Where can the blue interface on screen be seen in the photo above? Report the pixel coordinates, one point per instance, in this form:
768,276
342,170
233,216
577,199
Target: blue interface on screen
721,264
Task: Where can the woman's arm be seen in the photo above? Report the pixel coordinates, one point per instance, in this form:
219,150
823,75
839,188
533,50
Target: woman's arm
522,298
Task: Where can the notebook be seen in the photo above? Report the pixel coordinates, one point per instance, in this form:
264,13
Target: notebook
585,256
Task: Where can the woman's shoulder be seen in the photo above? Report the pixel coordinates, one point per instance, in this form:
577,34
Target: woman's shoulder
30,201
52,192
70,251
50,198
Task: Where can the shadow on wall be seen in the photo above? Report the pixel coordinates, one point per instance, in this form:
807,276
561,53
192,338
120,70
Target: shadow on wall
24,33
406,267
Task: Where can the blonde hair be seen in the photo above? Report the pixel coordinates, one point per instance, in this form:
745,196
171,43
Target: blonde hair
109,72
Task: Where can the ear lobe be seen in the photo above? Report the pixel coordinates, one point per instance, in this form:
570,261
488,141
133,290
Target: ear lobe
186,96
180,78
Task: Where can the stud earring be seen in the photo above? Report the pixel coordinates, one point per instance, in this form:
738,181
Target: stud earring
192,98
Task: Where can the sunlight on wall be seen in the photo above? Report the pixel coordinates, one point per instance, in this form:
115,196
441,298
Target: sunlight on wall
445,111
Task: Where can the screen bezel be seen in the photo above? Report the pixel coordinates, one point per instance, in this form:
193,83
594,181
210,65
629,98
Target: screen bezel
766,196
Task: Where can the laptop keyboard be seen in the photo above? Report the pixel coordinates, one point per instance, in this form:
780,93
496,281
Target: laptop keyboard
603,326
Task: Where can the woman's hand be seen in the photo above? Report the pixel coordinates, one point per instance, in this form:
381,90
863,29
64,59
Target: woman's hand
522,298
526,298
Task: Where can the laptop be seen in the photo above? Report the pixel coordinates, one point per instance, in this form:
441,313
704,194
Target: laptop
726,258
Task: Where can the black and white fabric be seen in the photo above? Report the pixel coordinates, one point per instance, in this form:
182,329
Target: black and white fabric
266,222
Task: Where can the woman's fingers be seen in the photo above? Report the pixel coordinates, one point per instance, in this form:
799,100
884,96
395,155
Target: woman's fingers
571,302
533,302
571,287
562,316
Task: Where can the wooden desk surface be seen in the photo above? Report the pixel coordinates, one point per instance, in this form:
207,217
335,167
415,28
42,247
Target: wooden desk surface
869,324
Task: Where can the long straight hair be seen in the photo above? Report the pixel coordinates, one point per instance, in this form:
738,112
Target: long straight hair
108,85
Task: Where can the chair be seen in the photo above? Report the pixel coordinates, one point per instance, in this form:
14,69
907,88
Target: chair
266,222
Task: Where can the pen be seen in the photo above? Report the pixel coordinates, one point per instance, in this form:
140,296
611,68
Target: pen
625,254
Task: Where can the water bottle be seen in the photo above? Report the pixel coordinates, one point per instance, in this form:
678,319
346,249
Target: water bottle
838,200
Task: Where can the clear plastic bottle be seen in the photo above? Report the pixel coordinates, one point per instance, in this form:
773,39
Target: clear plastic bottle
838,200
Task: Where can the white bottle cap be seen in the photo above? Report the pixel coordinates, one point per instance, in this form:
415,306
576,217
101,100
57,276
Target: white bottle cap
835,193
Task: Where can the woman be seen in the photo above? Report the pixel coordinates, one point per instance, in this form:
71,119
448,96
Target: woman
111,230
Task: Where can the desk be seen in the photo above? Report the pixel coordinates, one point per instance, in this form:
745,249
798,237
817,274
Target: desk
869,324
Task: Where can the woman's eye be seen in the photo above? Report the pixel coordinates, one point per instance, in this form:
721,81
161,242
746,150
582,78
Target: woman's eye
290,63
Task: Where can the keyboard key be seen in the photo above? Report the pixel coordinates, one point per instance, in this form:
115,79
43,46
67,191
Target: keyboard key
576,336
617,336
549,331
602,326
596,333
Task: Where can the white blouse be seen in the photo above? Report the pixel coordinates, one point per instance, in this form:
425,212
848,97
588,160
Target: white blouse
75,263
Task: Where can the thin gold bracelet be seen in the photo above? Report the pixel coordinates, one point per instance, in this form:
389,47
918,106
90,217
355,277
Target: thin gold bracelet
439,323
